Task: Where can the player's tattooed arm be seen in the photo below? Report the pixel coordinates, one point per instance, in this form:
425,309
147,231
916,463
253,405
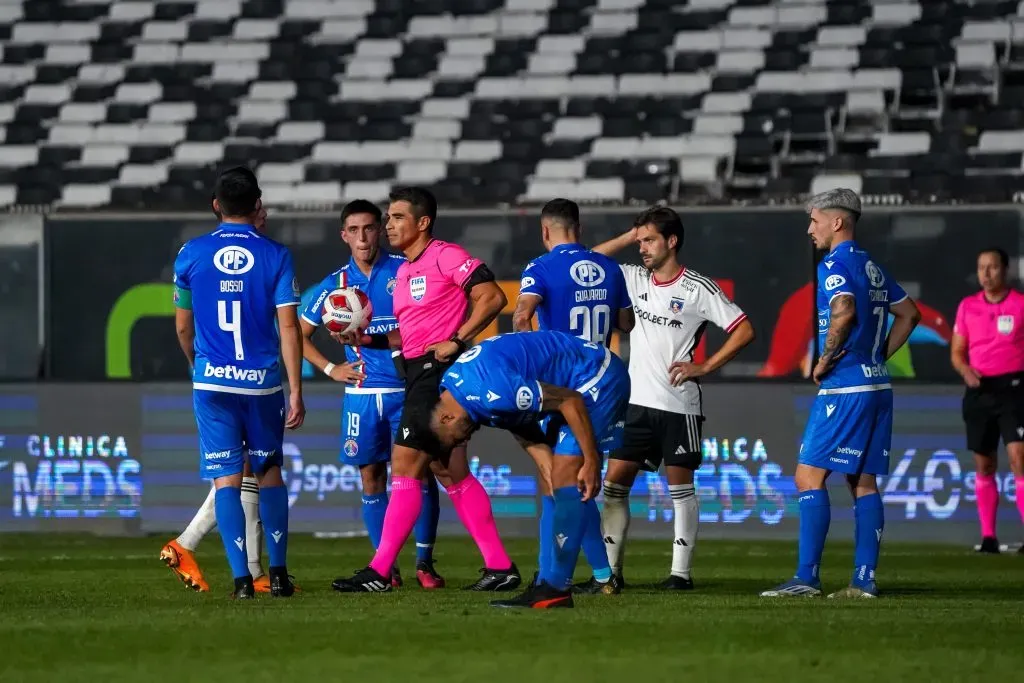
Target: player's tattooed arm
185,327
570,404
843,315
522,318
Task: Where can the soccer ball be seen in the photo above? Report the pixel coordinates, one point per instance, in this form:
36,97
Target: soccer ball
347,310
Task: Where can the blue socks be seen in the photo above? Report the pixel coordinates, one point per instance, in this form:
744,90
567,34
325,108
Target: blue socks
426,523
815,516
870,520
547,533
227,504
274,514
593,542
569,524
375,505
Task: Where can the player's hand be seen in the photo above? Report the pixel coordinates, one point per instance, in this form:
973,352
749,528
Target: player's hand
682,371
296,412
351,338
588,481
349,373
825,366
972,378
444,351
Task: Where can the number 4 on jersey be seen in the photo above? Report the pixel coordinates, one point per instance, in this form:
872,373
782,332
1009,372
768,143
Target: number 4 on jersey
232,325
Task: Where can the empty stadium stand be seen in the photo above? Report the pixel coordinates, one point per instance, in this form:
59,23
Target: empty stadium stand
133,104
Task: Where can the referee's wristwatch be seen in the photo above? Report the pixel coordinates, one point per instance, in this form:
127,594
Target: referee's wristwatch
459,343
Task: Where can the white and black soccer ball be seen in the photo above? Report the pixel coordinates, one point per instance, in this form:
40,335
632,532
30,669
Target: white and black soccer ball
347,310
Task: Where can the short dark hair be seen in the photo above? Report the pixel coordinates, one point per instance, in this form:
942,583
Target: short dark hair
237,192
565,211
1004,258
421,200
360,206
665,220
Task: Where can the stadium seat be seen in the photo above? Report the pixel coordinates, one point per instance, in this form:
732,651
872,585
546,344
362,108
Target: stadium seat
115,102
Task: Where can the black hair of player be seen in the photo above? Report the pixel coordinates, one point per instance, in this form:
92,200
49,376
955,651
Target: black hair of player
564,211
1004,258
421,200
237,192
666,221
361,206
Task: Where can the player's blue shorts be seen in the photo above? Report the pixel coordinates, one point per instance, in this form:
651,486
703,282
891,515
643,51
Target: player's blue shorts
606,398
369,422
849,433
235,426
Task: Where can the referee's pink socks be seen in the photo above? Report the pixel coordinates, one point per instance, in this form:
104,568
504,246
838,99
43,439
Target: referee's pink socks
1019,482
399,520
987,492
473,506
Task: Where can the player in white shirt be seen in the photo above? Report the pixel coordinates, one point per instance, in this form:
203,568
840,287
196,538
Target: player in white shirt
672,305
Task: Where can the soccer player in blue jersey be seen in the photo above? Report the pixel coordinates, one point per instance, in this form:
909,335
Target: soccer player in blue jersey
374,393
850,426
513,380
230,288
574,290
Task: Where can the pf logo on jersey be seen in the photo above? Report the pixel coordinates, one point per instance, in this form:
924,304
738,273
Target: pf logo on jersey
834,282
233,260
586,273
527,282
874,274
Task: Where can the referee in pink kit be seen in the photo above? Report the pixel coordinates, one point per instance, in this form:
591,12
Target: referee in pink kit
988,352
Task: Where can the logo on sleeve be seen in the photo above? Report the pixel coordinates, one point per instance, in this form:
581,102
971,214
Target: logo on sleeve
295,287
491,396
464,268
586,273
874,274
834,282
527,282
418,288
391,286
233,260
524,398
468,355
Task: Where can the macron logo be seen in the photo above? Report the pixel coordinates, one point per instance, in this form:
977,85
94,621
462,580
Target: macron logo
235,373
405,432
240,543
276,536
561,539
829,409
829,264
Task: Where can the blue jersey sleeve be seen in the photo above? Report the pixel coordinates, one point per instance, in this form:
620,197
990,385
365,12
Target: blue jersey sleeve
622,299
182,283
286,288
532,281
313,313
896,292
834,279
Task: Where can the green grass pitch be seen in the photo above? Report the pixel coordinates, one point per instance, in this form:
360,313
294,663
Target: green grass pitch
78,608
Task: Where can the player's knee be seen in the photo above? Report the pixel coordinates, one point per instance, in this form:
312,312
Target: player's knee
985,465
809,478
374,478
622,472
1015,454
271,477
408,462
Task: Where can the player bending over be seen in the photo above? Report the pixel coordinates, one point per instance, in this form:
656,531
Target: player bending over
513,380
443,297
673,306
231,286
574,290
179,554
849,429
372,406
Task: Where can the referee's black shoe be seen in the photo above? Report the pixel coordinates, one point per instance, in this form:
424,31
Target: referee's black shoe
540,595
497,580
676,583
364,581
989,545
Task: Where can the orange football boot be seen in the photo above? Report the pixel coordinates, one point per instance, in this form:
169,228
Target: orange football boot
183,563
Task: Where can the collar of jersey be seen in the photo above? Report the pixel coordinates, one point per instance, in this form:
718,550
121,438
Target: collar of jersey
570,245
427,246
852,244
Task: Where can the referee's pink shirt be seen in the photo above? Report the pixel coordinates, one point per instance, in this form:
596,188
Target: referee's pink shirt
994,333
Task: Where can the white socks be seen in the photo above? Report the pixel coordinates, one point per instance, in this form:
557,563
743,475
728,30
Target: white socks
202,524
685,522
615,523
253,525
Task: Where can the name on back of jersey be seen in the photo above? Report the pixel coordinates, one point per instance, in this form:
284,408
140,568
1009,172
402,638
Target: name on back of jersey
232,285
585,295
